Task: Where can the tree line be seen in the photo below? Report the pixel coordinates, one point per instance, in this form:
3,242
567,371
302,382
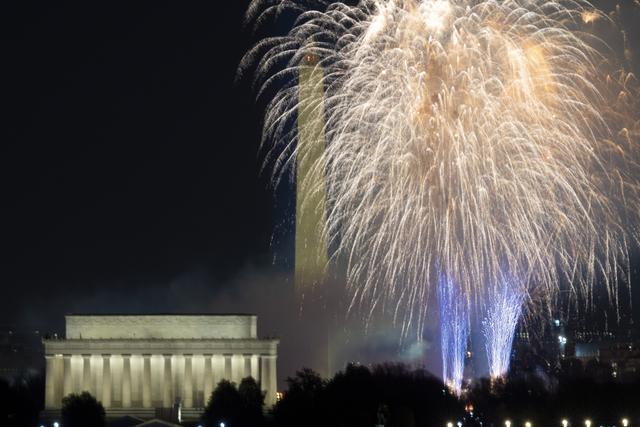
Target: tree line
389,395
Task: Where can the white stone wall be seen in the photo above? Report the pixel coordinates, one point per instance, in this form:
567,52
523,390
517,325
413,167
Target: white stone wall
138,363
161,327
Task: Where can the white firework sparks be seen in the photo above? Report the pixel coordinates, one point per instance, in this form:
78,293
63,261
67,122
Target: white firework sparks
479,139
502,315
454,332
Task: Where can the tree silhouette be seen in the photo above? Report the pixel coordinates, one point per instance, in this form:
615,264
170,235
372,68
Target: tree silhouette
252,401
301,403
360,396
236,407
225,405
82,410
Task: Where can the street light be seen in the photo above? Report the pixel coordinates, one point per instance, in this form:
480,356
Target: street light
625,422
507,423
528,424
587,422
565,422
56,424
449,424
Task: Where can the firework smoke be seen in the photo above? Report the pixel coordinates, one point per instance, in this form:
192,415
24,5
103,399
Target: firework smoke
488,138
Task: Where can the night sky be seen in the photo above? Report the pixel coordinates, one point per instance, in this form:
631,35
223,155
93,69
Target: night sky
129,156
130,171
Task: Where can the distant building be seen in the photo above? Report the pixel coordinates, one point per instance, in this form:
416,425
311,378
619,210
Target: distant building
624,360
155,365
599,351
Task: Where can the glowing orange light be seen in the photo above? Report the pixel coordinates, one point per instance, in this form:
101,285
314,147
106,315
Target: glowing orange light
589,16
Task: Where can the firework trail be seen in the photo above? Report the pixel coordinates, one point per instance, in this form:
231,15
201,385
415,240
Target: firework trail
488,138
454,332
498,327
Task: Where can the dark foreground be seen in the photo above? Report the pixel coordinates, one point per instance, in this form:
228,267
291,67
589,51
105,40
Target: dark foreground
390,395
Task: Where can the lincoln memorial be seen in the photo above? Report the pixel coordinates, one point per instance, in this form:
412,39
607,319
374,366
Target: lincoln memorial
140,365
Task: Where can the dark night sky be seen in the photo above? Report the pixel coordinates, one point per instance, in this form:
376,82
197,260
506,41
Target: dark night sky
129,167
129,156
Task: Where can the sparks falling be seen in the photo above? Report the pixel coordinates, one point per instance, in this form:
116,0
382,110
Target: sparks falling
477,139
498,327
454,332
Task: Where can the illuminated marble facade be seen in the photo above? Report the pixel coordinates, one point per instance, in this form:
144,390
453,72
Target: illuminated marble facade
143,364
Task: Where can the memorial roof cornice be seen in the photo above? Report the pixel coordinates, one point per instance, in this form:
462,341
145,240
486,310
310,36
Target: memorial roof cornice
83,340
161,346
159,314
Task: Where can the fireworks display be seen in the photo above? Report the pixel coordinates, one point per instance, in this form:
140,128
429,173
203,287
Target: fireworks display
454,321
503,311
467,140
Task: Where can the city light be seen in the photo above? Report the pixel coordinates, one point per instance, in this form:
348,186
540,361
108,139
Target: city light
56,424
625,422
528,424
587,422
221,424
565,422
449,424
507,423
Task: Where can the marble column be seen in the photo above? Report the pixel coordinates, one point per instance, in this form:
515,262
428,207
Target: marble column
187,394
66,384
146,381
218,363
177,367
198,381
166,382
237,368
255,367
264,377
50,390
208,378
126,381
228,367
116,381
106,381
96,369
76,373
268,378
246,372
86,373
58,380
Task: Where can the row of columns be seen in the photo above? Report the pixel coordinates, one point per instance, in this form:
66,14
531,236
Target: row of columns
166,384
